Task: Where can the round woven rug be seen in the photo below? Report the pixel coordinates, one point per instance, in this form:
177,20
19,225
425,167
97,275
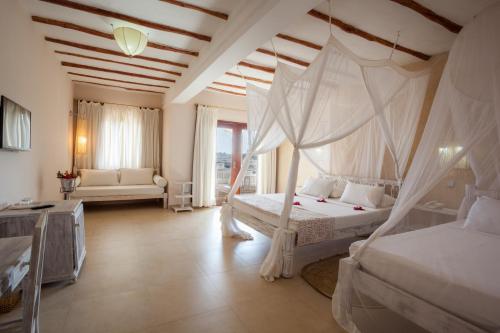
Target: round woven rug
322,274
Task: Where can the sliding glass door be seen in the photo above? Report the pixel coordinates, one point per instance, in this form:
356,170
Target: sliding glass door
232,146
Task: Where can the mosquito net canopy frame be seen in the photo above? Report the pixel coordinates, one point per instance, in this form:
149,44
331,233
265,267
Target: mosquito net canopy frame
334,97
465,121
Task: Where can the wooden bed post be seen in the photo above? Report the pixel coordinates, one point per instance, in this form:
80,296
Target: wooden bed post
288,253
165,200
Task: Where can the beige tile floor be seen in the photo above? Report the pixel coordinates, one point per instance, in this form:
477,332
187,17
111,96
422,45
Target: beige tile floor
151,270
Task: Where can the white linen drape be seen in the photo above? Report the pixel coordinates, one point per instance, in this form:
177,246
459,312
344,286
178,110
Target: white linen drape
117,136
204,157
465,113
334,97
360,154
264,134
266,173
88,133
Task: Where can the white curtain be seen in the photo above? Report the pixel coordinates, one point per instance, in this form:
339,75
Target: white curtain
111,136
204,157
88,134
334,97
264,134
465,113
266,173
360,154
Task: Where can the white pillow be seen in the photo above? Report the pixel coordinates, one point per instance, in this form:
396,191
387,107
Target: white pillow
78,180
484,216
317,187
160,181
139,176
338,187
363,195
91,177
387,201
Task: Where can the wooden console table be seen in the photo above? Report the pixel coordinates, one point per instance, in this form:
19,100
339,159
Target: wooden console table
65,249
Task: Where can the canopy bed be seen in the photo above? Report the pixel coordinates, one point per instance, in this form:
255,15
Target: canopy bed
340,96
451,283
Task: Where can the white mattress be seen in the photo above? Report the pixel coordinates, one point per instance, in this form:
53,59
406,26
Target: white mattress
446,265
97,191
314,221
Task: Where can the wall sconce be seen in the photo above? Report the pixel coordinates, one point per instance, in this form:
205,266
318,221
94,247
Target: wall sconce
448,152
81,145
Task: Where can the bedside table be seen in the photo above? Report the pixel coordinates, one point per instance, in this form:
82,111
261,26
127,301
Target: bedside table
424,217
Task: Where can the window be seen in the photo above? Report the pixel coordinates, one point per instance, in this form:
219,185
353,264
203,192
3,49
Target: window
232,146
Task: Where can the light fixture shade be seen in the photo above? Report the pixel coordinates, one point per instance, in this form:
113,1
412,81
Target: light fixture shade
131,41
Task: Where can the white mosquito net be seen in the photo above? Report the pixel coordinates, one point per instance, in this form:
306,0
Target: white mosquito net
361,153
338,94
464,121
264,134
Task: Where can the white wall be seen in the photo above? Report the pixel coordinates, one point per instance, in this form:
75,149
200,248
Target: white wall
118,96
179,127
31,76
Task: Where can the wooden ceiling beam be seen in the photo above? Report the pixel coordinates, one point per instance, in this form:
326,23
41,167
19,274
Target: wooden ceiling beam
183,4
115,80
249,78
118,62
261,68
284,57
121,87
107,70
366,35
93,32
300,41
235,86
128,18
431,15
112,52
226,91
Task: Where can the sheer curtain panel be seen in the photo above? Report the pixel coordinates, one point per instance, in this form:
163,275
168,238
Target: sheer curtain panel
204,157
466,114
88,134
111,136
266,173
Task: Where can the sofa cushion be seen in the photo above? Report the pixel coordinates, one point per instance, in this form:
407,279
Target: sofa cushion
91,177
139,176
100,191
160,181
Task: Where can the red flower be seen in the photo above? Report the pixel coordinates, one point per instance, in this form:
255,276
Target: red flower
296,203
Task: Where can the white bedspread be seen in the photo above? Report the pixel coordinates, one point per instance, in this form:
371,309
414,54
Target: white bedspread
446,265
314,221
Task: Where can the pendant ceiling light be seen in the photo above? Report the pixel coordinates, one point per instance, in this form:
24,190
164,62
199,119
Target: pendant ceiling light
130,40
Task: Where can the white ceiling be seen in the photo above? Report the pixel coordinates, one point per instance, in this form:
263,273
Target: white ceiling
383,18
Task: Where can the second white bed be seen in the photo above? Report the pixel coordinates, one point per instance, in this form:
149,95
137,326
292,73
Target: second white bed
448,266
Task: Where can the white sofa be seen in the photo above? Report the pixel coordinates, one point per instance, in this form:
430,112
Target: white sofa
122,184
